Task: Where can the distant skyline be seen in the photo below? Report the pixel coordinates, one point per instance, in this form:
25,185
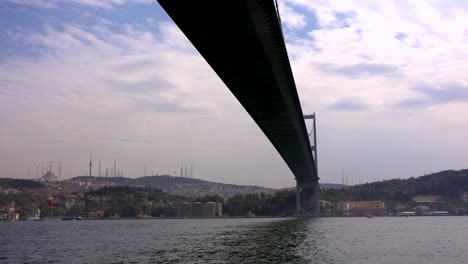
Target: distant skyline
117,78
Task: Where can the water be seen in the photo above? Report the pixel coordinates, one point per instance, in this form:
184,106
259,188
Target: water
324,240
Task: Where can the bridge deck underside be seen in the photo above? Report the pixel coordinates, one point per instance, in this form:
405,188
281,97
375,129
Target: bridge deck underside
243,43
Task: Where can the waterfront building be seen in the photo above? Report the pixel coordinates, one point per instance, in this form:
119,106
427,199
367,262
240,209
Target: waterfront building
324,203
208,209
465,197
428,199
184,210
361,208
422,209
197,209
219,209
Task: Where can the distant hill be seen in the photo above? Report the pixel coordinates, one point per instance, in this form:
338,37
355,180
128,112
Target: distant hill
326,186
178,185
6,183
450,184
187,187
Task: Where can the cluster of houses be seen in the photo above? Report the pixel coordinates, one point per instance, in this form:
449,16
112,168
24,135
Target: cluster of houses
425,205
62,203
197,209
12,212
361,208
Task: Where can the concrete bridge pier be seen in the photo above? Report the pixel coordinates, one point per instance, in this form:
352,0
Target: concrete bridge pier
298,199
309,202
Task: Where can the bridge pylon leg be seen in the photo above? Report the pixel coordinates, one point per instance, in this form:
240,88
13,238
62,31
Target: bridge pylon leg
311,199
298,199
317,199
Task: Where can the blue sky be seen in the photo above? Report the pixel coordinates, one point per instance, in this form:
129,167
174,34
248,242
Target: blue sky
116,77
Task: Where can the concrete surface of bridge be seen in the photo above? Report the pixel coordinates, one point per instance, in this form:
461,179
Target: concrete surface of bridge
242,41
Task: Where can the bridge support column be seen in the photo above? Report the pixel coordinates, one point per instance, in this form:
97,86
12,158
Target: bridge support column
311,198
298,198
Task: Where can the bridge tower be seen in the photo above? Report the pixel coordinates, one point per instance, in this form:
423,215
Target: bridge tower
308,193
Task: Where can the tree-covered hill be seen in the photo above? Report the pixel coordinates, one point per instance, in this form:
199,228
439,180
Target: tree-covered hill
139,192
19,183
179,185
450,184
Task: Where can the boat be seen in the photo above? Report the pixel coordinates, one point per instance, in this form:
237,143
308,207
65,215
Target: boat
37,216
72,218
370,216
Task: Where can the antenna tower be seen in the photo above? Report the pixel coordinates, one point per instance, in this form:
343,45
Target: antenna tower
90,163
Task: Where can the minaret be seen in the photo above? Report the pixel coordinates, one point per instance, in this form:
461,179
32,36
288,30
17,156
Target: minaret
99,168
107,172
37,171
115,168
60,170
181,170
185,170
90,163
191,171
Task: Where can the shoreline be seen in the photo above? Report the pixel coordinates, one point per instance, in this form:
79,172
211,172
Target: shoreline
239,217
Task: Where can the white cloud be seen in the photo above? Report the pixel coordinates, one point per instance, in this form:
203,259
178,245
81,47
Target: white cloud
290,18
362,66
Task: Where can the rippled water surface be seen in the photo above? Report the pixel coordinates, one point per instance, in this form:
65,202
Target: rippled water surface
324,240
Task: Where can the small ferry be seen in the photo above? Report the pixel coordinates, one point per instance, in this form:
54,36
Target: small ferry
72,218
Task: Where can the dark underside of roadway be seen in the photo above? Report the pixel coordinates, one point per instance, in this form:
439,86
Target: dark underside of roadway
243,42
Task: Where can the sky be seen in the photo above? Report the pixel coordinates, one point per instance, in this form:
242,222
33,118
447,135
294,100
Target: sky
387,79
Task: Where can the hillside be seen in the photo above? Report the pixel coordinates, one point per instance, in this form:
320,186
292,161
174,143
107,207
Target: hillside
450,184
177,185
6,183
